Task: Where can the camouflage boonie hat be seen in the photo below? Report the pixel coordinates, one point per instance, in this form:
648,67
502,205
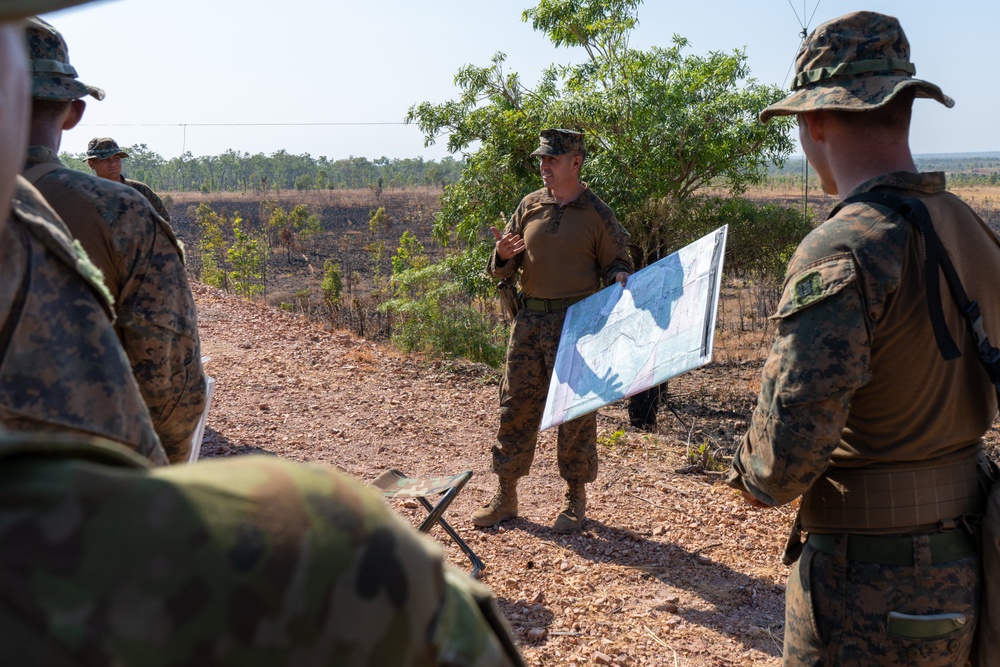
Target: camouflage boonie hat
559,142
52,77
20,9
103,147
856,62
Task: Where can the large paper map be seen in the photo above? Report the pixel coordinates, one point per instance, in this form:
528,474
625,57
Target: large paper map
623,340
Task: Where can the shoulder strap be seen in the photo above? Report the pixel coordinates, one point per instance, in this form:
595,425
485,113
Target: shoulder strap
936,258
35,174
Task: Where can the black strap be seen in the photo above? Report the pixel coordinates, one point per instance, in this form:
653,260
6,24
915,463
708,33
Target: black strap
936,258
16,308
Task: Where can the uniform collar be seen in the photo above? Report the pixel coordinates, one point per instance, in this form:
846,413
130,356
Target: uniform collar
40,154
579,202
930,182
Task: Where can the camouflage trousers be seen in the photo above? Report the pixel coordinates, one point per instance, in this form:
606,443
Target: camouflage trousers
837,611
531,354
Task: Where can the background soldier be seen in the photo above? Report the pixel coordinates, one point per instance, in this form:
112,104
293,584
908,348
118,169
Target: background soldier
105,158
565,241
251,561
137,252
859,412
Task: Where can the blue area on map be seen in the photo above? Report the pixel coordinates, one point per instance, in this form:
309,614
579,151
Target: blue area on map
621,341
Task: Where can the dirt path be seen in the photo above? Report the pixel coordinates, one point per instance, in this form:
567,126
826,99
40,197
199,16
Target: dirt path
671,568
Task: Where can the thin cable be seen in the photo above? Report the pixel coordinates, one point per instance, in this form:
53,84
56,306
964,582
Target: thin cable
803,35
231,124
813,15
795,11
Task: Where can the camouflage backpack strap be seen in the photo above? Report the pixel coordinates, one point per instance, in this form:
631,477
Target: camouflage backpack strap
16,307
37,172
44,224
936,259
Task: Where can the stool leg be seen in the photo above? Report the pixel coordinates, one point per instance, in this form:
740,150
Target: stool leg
477,564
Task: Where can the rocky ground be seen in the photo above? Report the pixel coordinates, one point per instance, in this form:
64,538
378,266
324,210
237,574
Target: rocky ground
671,568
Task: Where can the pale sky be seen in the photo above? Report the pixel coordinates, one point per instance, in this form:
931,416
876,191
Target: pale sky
171,63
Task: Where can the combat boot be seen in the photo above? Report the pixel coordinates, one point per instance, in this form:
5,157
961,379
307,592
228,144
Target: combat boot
501,507
573,510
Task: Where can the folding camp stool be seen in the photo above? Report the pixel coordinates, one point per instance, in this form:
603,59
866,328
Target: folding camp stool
199,431
394,484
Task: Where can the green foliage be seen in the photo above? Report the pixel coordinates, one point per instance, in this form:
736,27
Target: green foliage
211,274
433,315
376,251
212,244
333,283
379,222
276,221
248,261
239,172
761,236
307,225
303,298
660,124
409,255
703,457
289,229
612,440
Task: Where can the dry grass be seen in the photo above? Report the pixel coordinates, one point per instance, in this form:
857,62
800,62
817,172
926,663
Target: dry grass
413,198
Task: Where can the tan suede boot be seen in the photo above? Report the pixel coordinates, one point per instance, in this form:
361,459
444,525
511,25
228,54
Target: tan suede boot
501,507
573,510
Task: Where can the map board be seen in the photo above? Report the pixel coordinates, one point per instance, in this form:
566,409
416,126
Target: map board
621,341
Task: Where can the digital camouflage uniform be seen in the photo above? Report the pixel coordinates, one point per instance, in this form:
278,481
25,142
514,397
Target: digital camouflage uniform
243,562
861,415
150,196
142,263
62,367
247,561
577,246
105,147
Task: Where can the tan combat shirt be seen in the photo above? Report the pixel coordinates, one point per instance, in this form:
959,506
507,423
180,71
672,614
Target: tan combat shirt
569,249
143,268
62,368
855,377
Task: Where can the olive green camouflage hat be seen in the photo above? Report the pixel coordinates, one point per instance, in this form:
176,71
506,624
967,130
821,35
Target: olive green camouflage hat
20,9
104,147
558,142
856,62
52,77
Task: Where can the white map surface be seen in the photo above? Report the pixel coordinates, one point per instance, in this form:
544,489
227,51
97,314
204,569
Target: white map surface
621,341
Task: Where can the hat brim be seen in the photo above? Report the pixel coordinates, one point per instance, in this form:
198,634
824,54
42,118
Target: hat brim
61,88
22,9
861,94
105,155
547,150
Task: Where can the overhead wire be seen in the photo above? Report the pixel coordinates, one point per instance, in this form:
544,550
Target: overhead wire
185,126
805,33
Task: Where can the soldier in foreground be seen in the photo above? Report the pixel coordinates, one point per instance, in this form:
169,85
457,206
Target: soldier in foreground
136,251
253,561
859,411
62,368
565,242
105,159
